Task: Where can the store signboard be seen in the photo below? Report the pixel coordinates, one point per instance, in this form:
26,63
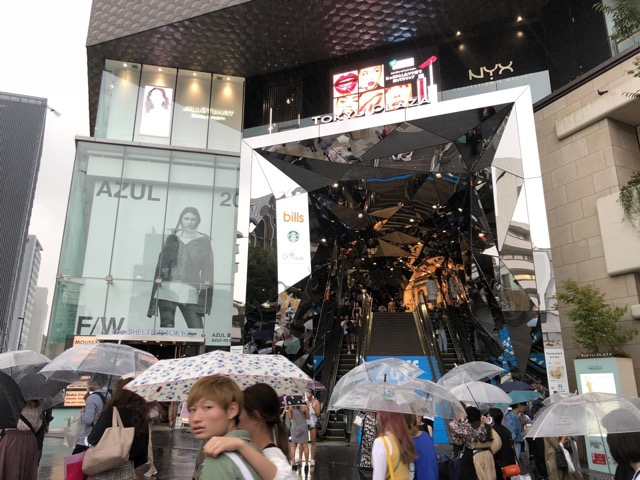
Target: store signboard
294,254
385,84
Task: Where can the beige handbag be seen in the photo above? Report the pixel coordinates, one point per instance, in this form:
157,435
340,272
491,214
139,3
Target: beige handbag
112,450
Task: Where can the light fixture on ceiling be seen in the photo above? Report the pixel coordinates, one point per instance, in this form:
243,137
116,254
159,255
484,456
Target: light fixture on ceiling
159,69
194,74
228,78
125,65
438,175
435,206
360,215
481,235
323,240
519,18
458,33
411,220
460,209
335,185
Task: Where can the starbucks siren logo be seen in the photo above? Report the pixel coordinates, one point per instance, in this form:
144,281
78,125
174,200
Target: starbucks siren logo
293,236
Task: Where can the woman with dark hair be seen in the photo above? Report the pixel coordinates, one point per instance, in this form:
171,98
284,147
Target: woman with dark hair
506,455
156,98
624,447
483,451
260,417
464,433
184,274
134,412
394,442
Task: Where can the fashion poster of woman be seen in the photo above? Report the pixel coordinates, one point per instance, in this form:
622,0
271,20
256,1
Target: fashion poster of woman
155,119
184,274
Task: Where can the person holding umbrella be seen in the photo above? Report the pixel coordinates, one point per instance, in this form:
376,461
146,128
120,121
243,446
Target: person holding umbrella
96,399
299,435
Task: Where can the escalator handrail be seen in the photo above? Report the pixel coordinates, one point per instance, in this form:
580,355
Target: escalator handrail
426,334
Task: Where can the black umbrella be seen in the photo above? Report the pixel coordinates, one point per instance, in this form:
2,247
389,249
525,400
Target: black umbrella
11,402
35,386
511,386
262,334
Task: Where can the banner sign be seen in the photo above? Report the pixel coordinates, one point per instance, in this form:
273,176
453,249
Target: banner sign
292,224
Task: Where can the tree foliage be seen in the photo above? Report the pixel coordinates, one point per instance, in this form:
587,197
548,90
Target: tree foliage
625,18
595,322
262,276
629,198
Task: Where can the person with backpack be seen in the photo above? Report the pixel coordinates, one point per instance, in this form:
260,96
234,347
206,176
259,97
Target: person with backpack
96,398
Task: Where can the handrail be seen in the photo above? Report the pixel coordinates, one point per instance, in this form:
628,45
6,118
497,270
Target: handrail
464,352
335,336
426,334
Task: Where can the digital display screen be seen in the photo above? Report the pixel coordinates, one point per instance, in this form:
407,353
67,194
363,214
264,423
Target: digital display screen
386,84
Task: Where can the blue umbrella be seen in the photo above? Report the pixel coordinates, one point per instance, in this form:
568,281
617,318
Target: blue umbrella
523,396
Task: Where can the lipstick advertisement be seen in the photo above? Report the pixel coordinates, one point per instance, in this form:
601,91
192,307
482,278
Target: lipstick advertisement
400,81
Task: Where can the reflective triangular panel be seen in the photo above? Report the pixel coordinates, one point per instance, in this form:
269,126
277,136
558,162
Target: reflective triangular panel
511,193
508,156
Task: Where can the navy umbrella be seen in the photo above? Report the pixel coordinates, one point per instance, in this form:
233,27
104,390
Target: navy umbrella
262,334
511,386
11,401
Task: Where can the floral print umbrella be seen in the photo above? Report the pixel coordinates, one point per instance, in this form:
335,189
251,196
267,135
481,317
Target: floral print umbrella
171,380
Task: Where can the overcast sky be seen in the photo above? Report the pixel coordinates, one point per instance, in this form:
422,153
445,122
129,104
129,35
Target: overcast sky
42,53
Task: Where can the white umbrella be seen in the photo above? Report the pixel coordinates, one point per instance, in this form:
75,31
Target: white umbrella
171,380
470,372
384,397
556,397
109,359
593,413
480,394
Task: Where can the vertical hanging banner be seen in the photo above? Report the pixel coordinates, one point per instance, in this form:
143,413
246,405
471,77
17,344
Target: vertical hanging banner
294,256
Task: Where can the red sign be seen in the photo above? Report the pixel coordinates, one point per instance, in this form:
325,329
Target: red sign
598,459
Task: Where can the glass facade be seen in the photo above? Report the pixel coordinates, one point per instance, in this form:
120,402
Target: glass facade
149,246
168,106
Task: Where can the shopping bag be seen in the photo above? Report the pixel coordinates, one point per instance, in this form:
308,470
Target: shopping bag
73,467
72,429
112,450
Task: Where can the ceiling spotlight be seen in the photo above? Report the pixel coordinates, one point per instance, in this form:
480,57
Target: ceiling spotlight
125,65
323,240
435,206
375,263
360,215
362,259
411,220
194,74
481,235
438,175
159,69
460,209
519,18
520,34
335,185
444,231
458,33
228,78
391,269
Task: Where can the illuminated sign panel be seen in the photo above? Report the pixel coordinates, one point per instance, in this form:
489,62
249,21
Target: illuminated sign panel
386,84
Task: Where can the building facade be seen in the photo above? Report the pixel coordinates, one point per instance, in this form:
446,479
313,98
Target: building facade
37,334
22,121
20,326
196,77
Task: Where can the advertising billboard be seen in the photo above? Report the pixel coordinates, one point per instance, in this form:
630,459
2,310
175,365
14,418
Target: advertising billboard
390,83
155,118
159,247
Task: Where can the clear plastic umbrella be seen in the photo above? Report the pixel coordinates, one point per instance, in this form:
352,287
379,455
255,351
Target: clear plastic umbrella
384,397
480,394
18,363
593,413
556,397
112,360
384,370
470,372
445,403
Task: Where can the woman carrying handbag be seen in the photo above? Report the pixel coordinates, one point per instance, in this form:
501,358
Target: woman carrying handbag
133,412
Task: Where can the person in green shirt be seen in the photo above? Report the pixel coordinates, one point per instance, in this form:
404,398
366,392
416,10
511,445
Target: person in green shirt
214,405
